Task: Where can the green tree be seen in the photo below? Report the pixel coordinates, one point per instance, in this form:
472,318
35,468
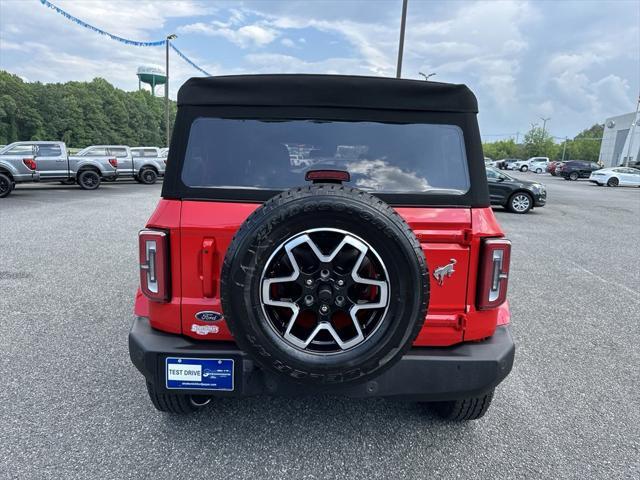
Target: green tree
502,149
80,113
585,145
539,143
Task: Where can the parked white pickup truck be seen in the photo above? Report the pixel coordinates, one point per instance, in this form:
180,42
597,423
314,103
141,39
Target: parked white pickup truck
53,163
141,163
534,164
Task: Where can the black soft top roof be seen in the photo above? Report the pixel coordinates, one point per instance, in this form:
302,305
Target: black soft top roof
342,91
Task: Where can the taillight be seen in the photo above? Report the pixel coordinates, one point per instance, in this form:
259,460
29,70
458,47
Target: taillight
113,162
30,163
154,265
494,273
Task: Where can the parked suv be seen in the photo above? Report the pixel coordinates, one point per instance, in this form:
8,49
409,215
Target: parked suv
17,165
553,166
575,169
517,196
376,268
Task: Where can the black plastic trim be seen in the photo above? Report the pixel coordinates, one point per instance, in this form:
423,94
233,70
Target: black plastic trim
424,374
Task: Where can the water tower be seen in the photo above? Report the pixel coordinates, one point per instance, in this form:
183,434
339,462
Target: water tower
152,76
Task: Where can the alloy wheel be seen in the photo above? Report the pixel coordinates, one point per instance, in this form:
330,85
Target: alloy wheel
324,291
521,203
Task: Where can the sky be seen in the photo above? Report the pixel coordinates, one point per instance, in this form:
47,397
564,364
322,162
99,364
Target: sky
575,62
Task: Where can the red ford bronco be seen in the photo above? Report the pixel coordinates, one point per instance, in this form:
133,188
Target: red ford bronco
324,234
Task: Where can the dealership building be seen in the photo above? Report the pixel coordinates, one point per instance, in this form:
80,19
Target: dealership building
621,139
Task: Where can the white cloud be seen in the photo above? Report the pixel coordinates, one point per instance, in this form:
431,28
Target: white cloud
245,36
56,50
273,62
523,59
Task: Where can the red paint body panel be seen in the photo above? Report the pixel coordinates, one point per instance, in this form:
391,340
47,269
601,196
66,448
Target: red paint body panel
200,233
166,316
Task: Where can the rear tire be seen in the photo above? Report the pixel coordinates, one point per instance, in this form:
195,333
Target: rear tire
613,182
539,170
89,180
573,176
178,404
463,410
524,168
6,185
148,176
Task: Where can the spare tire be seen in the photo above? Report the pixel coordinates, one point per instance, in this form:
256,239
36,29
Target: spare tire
325,284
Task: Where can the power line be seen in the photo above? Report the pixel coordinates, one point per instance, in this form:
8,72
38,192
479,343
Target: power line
126,41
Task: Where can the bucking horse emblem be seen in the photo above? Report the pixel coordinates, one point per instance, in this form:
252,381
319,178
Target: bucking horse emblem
444,271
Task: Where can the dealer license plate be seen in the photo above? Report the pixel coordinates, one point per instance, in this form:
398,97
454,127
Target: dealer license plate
199,373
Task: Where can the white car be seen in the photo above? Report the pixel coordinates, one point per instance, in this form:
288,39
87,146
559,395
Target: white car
539,165
616,176
524,165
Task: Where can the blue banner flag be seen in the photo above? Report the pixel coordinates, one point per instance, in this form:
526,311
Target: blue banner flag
157,43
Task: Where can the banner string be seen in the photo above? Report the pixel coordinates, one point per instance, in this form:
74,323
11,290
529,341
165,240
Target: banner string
157,43
186,59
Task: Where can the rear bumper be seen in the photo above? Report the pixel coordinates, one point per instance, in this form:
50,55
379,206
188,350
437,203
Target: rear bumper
425,374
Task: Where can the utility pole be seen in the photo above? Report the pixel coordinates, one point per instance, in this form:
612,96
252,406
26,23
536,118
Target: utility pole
517,137
403,23
544,125
427,77
564,147
166,88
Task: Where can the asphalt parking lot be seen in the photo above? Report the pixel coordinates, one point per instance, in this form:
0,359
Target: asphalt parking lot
73,406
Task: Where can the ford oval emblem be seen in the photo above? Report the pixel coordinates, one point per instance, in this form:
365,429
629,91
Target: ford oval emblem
209,316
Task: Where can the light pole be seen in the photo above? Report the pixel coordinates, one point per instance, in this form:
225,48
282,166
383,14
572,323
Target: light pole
544,124
166,87
403,23
427,77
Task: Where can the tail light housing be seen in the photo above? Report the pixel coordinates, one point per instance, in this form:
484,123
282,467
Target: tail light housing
30,163
494,273
113,162
154,265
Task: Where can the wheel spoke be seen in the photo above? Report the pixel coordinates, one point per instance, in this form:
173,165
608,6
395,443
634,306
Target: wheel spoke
325,293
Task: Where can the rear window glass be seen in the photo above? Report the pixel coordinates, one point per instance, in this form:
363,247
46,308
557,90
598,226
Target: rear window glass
95,151
49,150
118,152
381,157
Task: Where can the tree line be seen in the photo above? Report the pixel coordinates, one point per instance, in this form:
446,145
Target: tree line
80,113
539,143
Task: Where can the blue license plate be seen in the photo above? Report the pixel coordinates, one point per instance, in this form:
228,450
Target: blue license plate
199,373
